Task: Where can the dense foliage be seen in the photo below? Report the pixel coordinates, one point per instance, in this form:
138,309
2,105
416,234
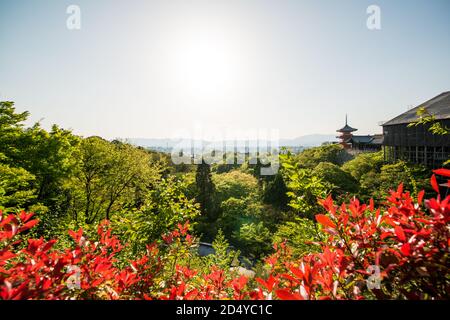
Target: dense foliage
407,239
299,234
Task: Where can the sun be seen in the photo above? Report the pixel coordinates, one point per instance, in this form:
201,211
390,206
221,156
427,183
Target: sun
204,65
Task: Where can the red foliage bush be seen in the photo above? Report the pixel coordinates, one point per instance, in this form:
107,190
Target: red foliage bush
405,241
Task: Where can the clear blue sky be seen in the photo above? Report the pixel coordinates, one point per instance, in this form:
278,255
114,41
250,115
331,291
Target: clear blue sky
149,68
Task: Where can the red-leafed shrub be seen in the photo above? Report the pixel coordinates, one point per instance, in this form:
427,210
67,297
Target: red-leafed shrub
399,250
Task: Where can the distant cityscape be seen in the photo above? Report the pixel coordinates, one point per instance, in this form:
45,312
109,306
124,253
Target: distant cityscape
400,140
294,145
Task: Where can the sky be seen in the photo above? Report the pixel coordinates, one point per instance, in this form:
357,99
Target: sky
153,69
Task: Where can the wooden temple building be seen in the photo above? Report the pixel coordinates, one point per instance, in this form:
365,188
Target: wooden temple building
416,143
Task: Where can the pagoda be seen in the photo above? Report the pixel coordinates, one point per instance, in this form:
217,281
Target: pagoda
346,135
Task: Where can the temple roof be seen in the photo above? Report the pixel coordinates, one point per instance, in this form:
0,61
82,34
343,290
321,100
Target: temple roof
375,139
346,128
438,106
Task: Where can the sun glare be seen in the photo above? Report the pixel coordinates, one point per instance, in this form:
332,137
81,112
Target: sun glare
204,65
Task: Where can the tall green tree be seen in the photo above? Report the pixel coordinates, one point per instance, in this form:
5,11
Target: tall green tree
205,191
44,159
111,175
275,193
50,156
11,128
16,187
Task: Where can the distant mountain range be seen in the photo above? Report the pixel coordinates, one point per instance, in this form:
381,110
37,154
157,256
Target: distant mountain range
311,140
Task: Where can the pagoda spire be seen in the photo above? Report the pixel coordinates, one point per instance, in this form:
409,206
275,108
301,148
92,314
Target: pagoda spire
346,134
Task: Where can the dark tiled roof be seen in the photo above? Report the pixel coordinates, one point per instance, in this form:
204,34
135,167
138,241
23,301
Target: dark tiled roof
347,128
375,139
361,139
378,139
439,106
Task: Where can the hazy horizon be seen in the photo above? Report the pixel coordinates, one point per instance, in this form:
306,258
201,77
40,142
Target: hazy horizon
148,69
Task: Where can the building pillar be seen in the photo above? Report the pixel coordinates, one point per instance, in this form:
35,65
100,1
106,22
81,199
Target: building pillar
417,154
425,155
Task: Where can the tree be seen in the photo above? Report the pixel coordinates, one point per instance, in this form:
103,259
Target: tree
377,185
223,256
302,235
111,175
337,180
205,191
50,157
254,239
304,187
164,208
234,184
364,163
89,181
334,153
275,192
11,127
233,214
130,172
16,187
47,156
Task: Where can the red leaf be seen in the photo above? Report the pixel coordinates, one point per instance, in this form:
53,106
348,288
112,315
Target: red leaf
406,249
48,245
76,235
290,278
25,216
46,284
285,294
5,255
28,225
384,235
434,183
388,221
267,284
325,221
191,294
400,233
297,272
239,283
442,172
420,196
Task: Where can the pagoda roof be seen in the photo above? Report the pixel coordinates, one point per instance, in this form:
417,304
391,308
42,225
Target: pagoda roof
346,128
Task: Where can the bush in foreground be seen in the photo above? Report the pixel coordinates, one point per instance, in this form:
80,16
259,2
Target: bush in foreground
397,251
